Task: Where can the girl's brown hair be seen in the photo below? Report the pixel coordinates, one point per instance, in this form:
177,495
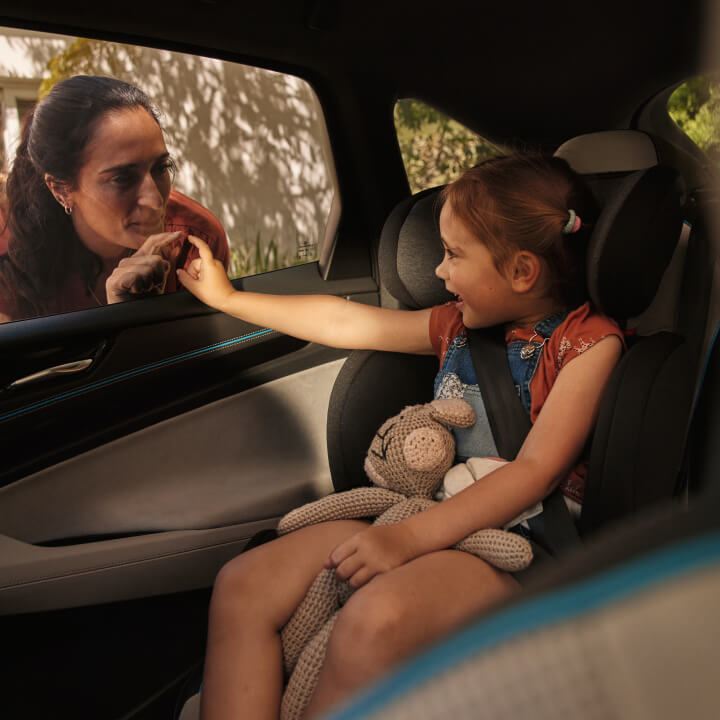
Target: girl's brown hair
522,202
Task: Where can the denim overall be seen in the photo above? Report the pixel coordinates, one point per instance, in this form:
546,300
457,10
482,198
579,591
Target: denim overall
456,379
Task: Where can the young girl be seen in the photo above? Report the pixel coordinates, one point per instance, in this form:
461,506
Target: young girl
514,233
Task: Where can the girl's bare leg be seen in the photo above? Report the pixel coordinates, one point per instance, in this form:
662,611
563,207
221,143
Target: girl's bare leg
254,596
399,612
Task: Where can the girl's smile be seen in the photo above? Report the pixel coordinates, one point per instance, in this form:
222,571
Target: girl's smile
484,294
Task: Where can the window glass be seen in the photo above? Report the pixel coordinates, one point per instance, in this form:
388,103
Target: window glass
435,148
249,144
695,108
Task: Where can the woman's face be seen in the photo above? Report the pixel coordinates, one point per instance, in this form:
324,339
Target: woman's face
122,188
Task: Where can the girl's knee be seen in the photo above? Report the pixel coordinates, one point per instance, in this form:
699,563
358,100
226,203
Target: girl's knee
367,636
240,578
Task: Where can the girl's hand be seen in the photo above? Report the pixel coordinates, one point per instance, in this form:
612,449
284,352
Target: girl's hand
145,271
206,278
376,550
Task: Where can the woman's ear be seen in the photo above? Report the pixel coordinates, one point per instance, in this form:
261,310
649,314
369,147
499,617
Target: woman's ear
525,271
60,191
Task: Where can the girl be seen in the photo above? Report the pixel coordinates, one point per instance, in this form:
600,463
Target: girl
91,217
513,230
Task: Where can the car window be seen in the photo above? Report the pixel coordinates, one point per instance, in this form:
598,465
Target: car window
249,144
695,107
435,148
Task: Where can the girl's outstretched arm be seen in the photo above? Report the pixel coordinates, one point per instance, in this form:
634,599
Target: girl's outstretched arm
323,319
550,450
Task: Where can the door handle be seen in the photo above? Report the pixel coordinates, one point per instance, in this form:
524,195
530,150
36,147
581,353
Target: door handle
58,370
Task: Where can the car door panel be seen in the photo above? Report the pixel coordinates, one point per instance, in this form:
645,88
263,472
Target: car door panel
143,474
38,579
160,358
186,493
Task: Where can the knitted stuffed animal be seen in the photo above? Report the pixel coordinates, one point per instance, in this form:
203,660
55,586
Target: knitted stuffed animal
407,461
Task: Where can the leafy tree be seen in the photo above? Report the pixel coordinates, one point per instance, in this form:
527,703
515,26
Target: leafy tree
90,57
435,148
695,107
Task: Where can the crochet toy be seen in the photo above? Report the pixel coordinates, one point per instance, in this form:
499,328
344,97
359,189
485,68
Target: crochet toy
407,461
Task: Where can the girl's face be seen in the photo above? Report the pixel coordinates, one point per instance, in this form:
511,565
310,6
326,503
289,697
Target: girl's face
121,191
485,295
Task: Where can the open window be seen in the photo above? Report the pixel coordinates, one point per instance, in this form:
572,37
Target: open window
695,108
250,144
435,148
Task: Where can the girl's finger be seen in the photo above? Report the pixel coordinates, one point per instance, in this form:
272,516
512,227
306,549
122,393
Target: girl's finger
194,268
340,553
186,280
202,246
362,576
348,567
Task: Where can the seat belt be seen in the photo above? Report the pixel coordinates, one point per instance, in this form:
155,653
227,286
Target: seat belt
510,424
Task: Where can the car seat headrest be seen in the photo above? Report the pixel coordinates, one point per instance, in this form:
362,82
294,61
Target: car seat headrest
629,249
633,241
611,151
410,250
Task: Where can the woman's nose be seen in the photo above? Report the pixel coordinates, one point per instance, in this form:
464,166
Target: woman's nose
149,194
440,270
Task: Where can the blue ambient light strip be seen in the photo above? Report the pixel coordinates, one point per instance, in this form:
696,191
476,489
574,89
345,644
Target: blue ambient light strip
633,577
120,377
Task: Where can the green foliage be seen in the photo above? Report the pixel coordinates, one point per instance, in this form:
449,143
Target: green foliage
261,256
695,107
86,57
435,148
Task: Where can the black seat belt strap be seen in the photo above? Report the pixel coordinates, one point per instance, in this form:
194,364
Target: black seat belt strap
510,424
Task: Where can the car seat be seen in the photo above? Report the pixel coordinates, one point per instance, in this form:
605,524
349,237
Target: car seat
651,389
639,439
625,628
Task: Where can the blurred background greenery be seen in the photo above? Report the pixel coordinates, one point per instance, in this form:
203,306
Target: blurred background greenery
695,107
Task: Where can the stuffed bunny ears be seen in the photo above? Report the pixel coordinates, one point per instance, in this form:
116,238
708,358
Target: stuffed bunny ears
452,412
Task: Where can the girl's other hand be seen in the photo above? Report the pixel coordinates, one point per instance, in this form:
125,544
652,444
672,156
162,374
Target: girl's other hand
206,278
376,550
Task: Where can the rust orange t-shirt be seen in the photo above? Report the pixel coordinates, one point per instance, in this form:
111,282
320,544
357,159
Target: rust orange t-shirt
182,214
579,331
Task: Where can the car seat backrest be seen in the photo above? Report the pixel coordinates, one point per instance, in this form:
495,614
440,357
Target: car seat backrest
630,247
704,441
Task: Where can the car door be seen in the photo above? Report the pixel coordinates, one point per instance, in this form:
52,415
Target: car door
141,474
143,444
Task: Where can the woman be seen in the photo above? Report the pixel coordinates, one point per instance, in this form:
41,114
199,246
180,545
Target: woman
91,215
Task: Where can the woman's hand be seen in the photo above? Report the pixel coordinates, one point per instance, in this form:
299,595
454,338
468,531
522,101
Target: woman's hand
206,278
145,271
376,550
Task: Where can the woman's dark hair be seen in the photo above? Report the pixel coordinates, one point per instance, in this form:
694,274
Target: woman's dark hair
522,202
43,248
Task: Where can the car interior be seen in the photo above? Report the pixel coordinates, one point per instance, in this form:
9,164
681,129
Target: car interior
126,487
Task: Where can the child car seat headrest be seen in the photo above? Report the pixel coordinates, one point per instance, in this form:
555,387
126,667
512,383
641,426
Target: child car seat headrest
410,250
639,219
633,240
610,151
631,244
